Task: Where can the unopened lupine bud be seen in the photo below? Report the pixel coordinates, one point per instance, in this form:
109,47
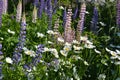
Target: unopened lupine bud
5,6
34,15
118,14
19,11
1,9
81,21
64,17
75,13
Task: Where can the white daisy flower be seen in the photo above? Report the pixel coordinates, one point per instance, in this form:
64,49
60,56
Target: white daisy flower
9,60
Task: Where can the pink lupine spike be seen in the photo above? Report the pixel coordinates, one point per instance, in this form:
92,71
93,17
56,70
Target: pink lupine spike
19,11
81,21
5,6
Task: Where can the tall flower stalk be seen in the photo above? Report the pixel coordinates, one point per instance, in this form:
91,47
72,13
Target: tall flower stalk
49,13
34,15
22,38
19,11
36,3
94,21
41,7
118,14
1,54
81,21
1,9
64,17
75,13
69,33
5,6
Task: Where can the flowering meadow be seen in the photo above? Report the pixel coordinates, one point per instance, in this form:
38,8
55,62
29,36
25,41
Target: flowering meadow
59,39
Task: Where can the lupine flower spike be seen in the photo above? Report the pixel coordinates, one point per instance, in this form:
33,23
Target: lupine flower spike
22,38
19,11
34,15
118,14
75,13
1,55
94,21
5,6
81,21
1,9
49,13
41,7
64,17
69,33
36,3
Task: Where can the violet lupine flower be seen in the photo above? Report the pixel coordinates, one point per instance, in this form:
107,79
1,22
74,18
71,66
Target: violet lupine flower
64,17
41,7
1,75
36,3
22,38
75,13
19,11
49,13
34,15
94,20
69,33
81,21
1,9
45,6
38,56
5,6
118,14
55,6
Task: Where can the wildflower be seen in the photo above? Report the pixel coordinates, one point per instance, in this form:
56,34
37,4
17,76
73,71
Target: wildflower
76,48
0,46
49,42
83,38
50,32
34,15
64,17
46,49
5,6
89,46
60,39
102,24
40,35
97,51
86,63
36,3
75,13
64,53
30,52
75,42
54,52
107,50
61,7
118,14
94,20
40,10
12,32
81,21
19,11
69,33
9,60
101,77
1,9
67,48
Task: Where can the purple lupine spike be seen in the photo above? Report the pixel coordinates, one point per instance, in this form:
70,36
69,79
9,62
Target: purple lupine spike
1,75
36,3
39,52
81,21
41,7
49,13
64,17
1,9
75,13
118,14
22,38
55,6
94,20
45,6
